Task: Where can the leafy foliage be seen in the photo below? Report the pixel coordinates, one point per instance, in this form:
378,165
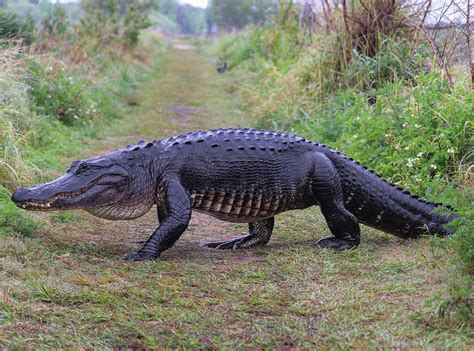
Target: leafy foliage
173,17
114,20
191,20
425,129
57,93
11,27
53,26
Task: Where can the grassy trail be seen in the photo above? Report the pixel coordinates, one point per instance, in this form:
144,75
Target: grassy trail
67,289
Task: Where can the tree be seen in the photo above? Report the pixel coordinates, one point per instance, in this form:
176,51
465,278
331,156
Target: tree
191,20
169,8
117,20
13,28
231,14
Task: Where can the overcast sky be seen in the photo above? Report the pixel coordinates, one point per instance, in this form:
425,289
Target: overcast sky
197,3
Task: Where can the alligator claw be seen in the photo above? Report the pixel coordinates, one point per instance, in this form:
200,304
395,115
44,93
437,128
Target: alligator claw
335,244
228,244
137,256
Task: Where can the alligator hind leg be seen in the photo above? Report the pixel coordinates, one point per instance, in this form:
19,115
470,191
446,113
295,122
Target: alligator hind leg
327,190
260,233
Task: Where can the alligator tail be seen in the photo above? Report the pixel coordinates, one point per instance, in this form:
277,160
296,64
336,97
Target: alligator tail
379,204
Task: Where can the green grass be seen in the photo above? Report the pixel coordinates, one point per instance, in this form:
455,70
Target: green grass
12,220
66,288
285,294
65,217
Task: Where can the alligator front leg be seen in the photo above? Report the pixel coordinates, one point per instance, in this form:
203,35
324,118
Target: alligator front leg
162,214
260,233
177,216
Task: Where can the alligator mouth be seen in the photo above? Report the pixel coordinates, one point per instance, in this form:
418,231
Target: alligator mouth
48,205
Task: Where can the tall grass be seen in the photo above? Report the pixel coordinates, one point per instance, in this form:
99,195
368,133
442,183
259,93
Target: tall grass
16,120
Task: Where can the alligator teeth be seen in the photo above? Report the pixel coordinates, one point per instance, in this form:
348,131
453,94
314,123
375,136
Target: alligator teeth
36,205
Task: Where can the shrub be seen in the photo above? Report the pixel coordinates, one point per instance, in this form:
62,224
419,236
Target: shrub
53,29
56,91
278,43
112,21
16,120
13,28
424,129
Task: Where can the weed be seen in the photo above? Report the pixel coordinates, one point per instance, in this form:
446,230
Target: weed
65,217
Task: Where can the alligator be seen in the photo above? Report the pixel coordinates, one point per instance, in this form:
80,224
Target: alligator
237,175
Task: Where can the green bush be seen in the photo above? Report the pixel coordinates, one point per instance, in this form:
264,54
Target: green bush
13,28
397,60
57,92
424,129
258,47
463,241
109,22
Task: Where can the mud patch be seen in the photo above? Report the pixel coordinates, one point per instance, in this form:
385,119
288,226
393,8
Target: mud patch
181,120
183,110
183,47
181,115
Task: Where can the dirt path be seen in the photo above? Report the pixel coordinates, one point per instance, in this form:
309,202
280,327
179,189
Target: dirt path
184,94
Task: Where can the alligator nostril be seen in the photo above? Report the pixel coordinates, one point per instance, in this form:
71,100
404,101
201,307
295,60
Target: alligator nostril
19,195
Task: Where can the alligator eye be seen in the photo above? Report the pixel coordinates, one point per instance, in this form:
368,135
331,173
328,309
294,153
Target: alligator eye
82,168
73,164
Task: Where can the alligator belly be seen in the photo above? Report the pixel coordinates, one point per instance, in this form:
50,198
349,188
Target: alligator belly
238,205
233,218
245,206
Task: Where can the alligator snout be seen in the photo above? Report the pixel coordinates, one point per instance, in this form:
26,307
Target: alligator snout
21,195
28,198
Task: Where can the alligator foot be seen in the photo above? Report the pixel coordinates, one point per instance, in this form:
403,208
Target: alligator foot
137,256
335,244
237,243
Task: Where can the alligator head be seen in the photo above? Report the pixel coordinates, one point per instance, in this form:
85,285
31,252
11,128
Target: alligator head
101,185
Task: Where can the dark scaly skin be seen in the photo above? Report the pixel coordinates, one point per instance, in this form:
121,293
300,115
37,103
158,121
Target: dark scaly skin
236,175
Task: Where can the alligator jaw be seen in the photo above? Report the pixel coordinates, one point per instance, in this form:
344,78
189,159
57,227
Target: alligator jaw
49,204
